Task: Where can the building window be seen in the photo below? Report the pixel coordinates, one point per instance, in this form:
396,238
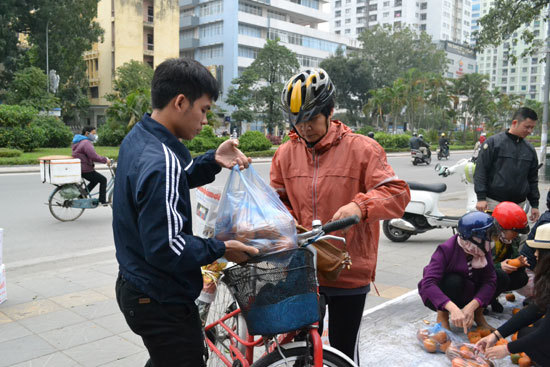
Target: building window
504,80
248,30
337,3
386,14
534,79
94,92
150,42
348,11
360,10
250,9
150,13
397,24
386,4
423,16
211,30
372,18
360,30
534,70
512,88
211,52
338,23
337,32
534,60
423,27
372,7
276,15
248,52
513,70
397,3
423,6
523,87
214,7
337,13
470,67
347,31
397,14
348,20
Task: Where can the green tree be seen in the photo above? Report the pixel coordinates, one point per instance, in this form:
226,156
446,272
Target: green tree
272,67
352,82
389,53
131,76
127,111
28,88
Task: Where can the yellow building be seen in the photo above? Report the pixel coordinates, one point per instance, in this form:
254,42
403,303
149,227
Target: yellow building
142,30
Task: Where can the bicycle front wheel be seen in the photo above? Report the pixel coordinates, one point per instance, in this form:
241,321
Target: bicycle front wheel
60,203
223,304
301,356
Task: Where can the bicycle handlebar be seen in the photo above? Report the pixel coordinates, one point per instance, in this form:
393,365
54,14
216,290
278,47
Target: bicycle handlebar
340,224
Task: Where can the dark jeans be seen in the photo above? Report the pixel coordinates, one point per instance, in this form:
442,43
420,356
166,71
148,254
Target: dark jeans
97,178
509,282
459,290
172,333
344,319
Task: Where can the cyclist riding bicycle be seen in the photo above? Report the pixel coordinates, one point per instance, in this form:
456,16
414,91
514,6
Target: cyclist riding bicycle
84,150
327,172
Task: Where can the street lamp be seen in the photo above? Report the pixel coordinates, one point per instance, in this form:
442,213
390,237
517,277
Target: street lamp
47,60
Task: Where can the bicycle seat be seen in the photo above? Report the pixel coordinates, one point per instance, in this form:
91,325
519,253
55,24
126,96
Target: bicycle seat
438,187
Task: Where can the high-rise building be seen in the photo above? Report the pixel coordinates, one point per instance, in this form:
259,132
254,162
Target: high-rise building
476,14
526,77
226,35
448,22
139,30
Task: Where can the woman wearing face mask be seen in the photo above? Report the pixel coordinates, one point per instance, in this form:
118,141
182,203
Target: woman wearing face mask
533,322
460,279
84,150
513,222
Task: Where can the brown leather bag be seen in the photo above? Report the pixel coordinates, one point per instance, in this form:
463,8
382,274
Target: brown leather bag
331,260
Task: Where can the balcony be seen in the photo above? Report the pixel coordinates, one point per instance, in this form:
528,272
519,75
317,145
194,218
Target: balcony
189,21
189,43
148,21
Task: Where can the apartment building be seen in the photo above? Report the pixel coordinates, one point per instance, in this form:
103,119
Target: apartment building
448,22
526,77
144,30
226,35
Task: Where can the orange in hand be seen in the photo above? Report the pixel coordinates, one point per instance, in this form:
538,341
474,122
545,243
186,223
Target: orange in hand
515,262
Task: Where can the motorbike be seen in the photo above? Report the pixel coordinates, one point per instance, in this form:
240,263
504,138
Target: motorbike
443,152
418,157
422,213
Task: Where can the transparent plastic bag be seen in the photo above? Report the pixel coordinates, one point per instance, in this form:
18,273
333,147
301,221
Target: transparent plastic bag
465,355
251,212
435,338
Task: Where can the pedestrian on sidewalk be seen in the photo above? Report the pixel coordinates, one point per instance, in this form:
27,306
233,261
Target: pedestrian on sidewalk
159,257
532,323
460,281
507,166
327,172
83,149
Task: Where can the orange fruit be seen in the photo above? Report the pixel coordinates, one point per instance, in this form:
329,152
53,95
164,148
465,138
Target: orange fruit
443,347
430,345
471,334
474,339
459,362
515,336
465,352
502,342
440,337
515,262
510,297
484,332
422,334
515,311
524,362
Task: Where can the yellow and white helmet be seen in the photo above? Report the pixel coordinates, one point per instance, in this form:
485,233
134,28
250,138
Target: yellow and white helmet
305,95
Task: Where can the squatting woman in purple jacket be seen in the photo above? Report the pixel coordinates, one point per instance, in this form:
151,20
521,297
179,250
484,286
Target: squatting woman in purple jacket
84,150
460,279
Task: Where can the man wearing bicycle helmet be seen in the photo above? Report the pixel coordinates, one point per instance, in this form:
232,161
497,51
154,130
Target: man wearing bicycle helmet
512,221
327,172
460,279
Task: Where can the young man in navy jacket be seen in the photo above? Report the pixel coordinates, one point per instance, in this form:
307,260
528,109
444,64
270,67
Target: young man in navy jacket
159,257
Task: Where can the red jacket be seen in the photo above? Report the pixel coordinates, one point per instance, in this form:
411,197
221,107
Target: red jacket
342,167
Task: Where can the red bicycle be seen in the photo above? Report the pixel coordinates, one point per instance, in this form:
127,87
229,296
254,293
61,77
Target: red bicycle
272,302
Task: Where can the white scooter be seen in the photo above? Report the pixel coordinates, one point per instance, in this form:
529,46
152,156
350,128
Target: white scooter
422,213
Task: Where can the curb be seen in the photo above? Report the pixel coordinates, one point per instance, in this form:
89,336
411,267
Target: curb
102,167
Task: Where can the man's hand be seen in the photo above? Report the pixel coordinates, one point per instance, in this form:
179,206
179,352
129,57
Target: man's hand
238,252
486,342
482,205
535,214
498,352
347,211
228,155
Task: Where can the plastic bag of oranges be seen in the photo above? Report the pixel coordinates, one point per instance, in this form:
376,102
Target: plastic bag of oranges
435,338
465,355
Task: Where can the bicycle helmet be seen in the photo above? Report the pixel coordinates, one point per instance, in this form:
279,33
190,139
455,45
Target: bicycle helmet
370,134
475,226
421,136
415,134
510,216
305,95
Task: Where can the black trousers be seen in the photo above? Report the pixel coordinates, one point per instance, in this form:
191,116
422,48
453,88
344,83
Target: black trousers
172,333
97,178
509,282
344,319
459,290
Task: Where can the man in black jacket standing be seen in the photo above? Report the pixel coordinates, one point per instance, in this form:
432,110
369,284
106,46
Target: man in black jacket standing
507,166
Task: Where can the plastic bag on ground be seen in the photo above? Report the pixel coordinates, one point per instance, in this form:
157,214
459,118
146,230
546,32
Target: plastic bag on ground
251,212
435,338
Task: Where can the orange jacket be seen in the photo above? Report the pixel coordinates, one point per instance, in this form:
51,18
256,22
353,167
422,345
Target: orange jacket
342,167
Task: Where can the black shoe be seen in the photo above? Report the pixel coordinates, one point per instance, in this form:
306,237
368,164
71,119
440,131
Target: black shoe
496,306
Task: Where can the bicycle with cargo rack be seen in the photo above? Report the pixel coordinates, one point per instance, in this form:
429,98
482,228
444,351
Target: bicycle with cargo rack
68,200
272,302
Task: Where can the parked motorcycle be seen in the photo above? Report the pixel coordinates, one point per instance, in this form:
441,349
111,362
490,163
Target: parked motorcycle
417,157
443,152
422,213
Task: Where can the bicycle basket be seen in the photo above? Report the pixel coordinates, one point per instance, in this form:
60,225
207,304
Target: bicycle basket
69,192
277,293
